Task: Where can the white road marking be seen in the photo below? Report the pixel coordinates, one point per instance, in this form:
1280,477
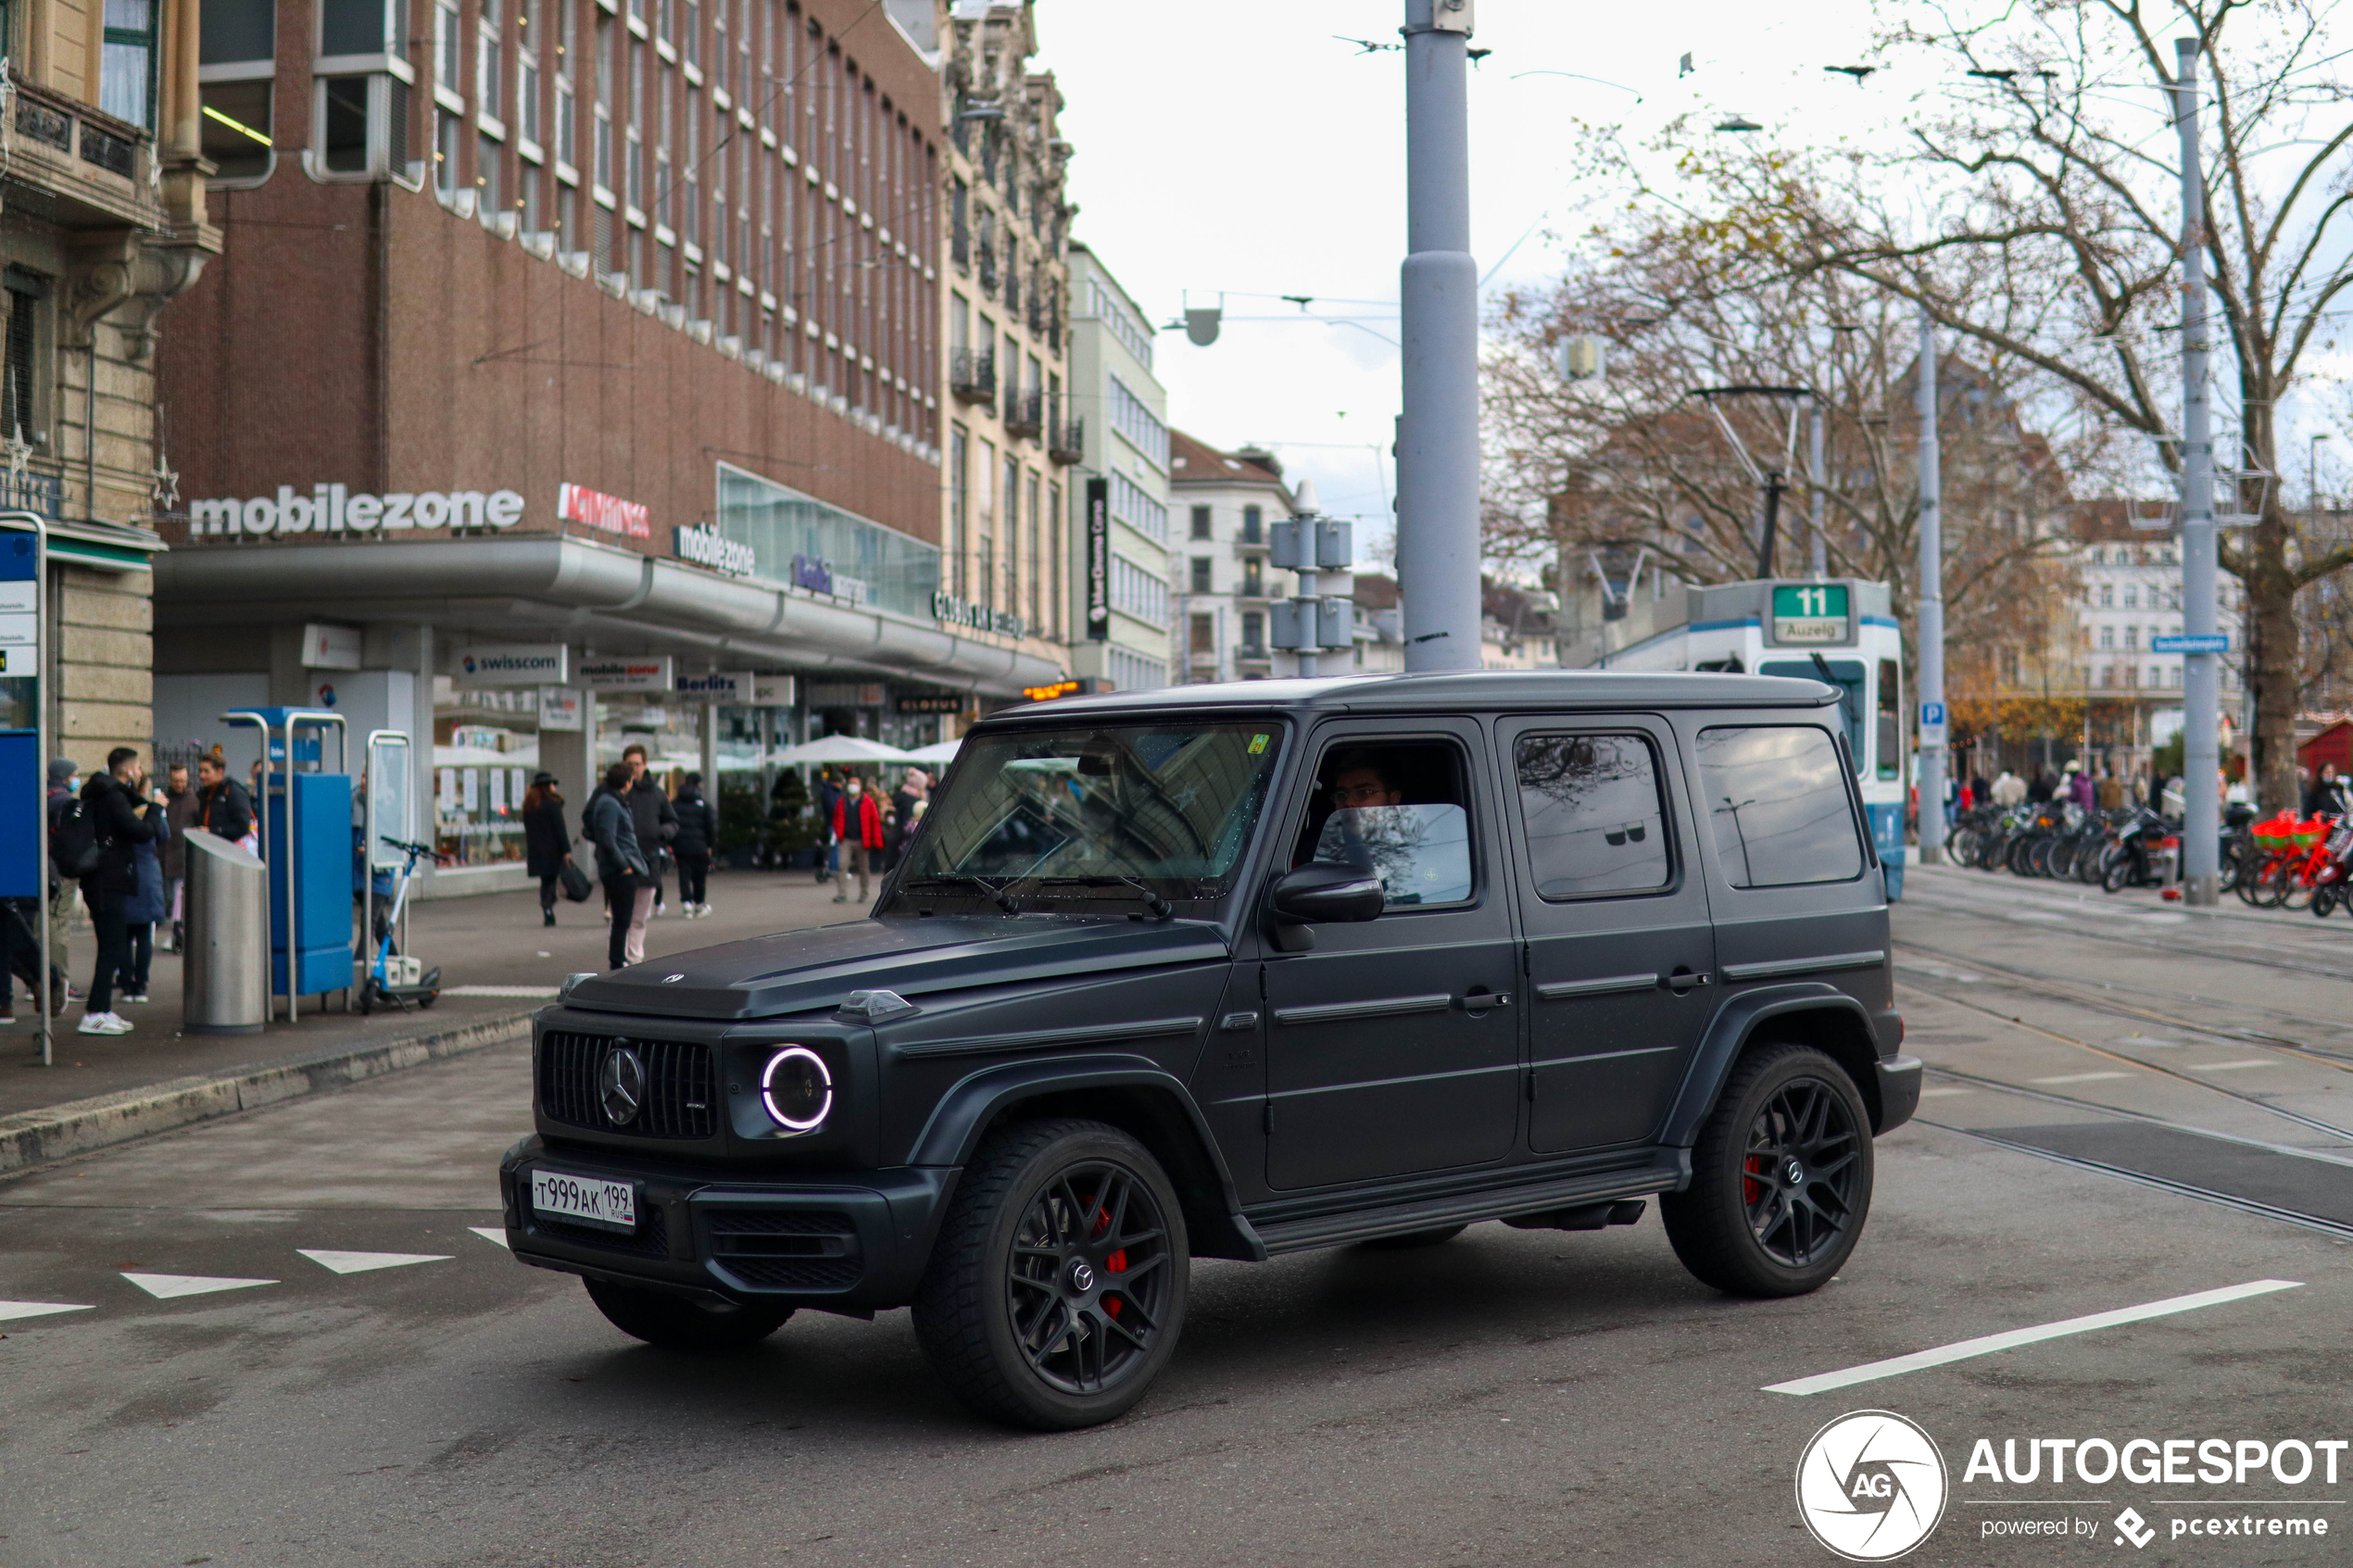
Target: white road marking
497,990
2078,1077
2035,914
363,1262
163,1288
1986,1345
490,1233
1938,1094
11,1311
2228,1066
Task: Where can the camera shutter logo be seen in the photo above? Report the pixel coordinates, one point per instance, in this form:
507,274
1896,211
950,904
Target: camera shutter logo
1871,1486
622,1085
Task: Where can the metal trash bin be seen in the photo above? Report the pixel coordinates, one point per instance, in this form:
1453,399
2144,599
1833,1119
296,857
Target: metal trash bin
225,979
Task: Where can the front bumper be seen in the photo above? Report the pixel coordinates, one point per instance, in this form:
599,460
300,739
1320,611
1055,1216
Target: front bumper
1899,1090
857,1243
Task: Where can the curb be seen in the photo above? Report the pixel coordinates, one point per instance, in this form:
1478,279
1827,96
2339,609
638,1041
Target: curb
60,1132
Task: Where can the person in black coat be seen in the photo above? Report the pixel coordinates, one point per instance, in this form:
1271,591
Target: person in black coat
547,842
698,836
650,807
222,805
118,822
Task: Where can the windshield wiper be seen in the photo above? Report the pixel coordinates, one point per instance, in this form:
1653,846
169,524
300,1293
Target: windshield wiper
995,892
1161,908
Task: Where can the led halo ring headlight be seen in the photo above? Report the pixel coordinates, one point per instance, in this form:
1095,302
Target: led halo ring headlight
798,1089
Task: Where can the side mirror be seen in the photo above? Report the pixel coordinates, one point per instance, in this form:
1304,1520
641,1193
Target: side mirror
1325,890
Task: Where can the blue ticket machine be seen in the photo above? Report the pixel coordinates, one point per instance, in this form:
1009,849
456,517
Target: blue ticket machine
306,841
24,838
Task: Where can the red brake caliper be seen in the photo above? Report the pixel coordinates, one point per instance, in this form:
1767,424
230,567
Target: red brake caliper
1114,1264
1750,1189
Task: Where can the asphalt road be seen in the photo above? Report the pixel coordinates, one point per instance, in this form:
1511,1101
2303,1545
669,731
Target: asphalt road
1513,1398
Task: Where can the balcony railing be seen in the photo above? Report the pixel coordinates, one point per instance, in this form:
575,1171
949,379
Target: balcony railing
971,375
1067,441
1026,412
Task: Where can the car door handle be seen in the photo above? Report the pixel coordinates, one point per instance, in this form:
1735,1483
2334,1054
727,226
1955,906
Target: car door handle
1476,1003
1683,980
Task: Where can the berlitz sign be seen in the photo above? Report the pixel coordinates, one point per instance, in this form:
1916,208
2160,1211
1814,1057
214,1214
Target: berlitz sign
333,508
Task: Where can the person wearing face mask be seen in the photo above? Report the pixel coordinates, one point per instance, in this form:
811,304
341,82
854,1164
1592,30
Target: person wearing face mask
858,827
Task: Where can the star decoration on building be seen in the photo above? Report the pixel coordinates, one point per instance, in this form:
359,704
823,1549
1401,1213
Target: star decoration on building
19,451
166,488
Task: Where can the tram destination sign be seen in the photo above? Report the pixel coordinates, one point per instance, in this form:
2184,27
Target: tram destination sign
1808,613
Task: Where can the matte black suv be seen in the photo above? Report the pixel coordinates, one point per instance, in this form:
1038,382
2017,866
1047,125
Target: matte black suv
1238,971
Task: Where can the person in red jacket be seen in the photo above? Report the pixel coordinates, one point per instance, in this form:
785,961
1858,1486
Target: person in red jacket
858,828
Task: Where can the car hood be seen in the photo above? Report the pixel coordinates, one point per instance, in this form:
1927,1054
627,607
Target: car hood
796,971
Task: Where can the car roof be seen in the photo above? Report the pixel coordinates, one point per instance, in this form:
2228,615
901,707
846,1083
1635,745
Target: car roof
1450,692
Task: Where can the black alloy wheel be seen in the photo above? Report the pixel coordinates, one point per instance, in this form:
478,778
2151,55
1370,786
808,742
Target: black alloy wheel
1781,1179
1057,1287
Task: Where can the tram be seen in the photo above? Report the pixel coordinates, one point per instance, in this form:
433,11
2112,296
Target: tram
1838,629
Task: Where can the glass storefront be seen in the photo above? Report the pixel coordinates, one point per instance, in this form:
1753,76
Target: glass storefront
485,746
798,539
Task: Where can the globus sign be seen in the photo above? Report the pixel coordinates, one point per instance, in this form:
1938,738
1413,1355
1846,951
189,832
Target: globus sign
333,508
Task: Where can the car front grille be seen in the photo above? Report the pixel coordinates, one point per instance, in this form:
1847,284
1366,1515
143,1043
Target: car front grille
786,1249
651,1239
681,1095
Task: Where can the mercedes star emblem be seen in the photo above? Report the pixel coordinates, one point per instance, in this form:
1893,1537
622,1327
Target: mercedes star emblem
622,1083
672,979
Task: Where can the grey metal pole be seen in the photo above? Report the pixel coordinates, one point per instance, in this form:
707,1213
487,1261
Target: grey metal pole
1820,550
1931,603
1437,306
2201,672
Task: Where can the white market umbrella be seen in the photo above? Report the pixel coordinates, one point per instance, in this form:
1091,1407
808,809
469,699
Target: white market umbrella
839,748
938,755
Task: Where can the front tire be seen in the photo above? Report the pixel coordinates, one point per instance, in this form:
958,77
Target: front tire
1056,1290
1781,1179
682,1322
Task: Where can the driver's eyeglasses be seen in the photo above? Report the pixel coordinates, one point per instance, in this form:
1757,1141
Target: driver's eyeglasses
1359,795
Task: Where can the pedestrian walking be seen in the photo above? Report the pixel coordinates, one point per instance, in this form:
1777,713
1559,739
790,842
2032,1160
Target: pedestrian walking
858,828
546,843
657,828
2008,789
2321,797
117,822
621,866
147,907
828,808
222,805
179,816
697,835
913,789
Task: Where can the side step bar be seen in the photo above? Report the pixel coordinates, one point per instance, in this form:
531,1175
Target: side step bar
1540,1205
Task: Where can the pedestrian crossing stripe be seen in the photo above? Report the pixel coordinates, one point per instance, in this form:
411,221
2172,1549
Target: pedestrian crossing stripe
363,1262
164,1287
495,1234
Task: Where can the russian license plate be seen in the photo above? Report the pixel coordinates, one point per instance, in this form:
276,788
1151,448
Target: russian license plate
588,1201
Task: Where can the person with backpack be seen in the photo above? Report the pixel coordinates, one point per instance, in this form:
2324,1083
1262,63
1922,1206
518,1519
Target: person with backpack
697,835
116,822
150,905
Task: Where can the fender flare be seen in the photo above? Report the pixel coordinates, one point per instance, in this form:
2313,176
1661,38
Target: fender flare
968,1108
1732,1028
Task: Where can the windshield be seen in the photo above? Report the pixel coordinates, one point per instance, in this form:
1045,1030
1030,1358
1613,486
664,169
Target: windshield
1076,813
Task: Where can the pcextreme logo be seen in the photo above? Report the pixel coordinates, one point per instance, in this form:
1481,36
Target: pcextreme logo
1870,1485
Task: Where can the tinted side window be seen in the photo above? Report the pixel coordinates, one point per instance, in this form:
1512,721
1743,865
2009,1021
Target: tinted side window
1595,819
1394,808
1778,805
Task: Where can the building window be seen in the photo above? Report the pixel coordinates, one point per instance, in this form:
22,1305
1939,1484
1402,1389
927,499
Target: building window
126,79
2107,636
1202,575
959,508
1132,419
1254,526
344,124
1037,568
1133,506
1201,522
20,399
2132,637
1253,634
488,79
1138,591
2133,598
448,46
445,153
486,175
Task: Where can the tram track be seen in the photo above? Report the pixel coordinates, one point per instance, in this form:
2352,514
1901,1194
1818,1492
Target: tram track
2045,922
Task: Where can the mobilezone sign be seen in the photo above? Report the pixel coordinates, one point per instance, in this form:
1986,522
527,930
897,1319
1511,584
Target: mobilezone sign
333,508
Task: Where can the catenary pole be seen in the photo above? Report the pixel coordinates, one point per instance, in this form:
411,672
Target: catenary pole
1930,605
2201,673
1437,307
1819,550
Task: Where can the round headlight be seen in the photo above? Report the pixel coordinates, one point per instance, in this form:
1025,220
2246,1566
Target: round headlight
797,1089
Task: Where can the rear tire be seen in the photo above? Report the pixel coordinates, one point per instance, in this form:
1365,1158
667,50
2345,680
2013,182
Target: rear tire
1744,1225
2324,901
2117,873
682,1322
1056,1290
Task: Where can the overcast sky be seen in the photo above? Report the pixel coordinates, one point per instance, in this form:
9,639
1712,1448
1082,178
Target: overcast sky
1245,151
